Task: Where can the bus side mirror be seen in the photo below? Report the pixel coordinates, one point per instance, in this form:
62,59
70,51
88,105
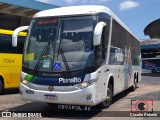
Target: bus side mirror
98,33
15,34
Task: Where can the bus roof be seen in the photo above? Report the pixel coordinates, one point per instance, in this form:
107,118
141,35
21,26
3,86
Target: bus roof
73,10
80,10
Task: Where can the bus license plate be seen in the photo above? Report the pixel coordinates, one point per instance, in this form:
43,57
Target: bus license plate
50,97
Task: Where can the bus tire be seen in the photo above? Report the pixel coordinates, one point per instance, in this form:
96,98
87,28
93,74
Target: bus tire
51,104
153,70
107,102
1,87
133,88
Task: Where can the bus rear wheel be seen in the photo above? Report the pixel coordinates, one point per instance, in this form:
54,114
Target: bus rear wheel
107,102
133,88
1,87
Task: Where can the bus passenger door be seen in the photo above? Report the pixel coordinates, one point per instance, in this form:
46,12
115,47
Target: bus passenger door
15,70
120,61
101,56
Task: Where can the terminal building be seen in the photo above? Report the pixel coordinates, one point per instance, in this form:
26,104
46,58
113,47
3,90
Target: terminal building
151,48
15,13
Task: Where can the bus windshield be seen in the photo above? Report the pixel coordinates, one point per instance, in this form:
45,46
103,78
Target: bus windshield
60,44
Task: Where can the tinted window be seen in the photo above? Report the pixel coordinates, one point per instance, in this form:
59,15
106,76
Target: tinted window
123,40
6,44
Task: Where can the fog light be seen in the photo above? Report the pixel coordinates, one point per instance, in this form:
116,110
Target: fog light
83,85
25,82
89,97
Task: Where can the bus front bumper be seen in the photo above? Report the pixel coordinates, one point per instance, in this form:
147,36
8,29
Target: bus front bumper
85,96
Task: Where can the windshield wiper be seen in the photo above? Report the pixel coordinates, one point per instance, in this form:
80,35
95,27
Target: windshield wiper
64,59
39,61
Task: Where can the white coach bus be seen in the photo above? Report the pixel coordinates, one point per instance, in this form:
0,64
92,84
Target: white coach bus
79,55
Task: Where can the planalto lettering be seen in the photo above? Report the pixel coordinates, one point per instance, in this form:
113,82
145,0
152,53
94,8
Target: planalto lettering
70,80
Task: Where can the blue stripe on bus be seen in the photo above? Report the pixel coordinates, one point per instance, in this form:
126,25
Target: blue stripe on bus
59,81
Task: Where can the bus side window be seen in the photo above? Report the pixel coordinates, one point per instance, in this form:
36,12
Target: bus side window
20,45
6,44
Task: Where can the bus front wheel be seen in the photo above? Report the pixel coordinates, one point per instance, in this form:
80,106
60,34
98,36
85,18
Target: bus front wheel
107,102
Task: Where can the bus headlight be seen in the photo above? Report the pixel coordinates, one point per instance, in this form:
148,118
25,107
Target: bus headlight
83,85
25,82
87,83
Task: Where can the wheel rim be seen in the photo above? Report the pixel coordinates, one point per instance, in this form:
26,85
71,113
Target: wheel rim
135,83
